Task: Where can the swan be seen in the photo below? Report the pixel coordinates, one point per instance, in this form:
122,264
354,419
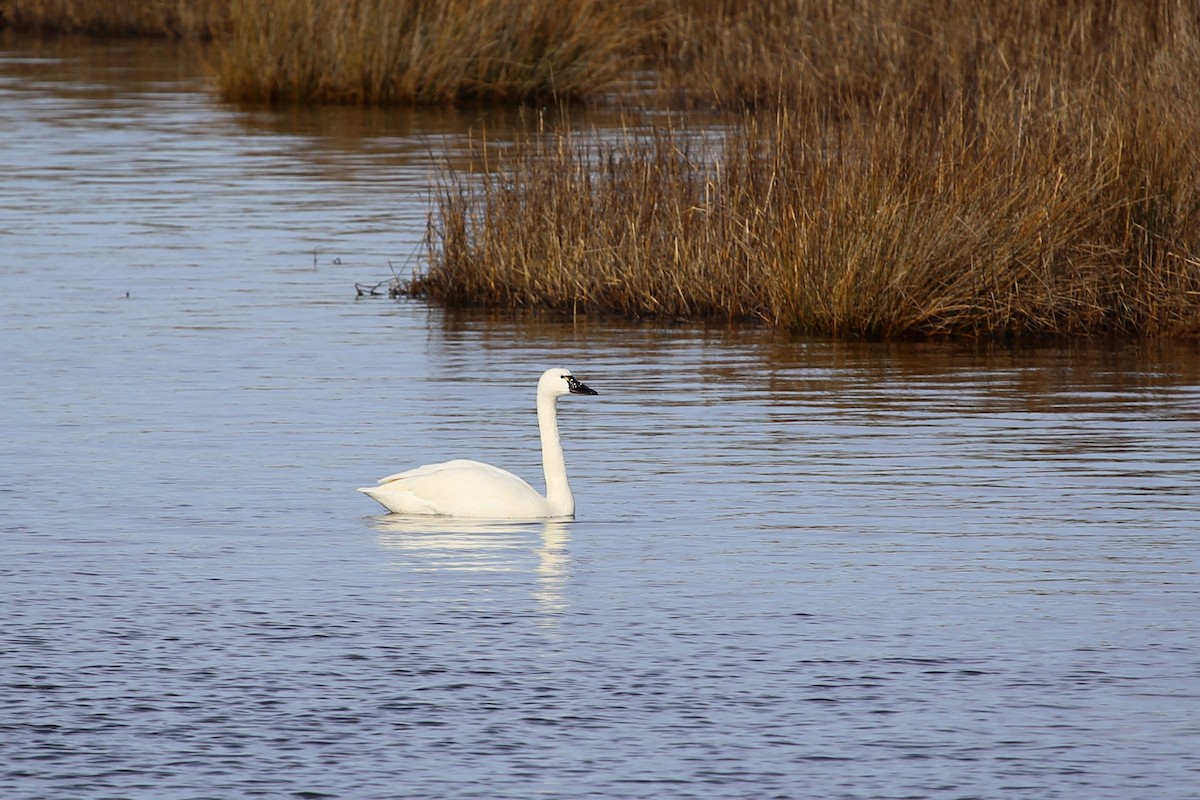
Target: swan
464,488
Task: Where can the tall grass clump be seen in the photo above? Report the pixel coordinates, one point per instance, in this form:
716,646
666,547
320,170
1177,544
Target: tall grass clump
876,53
928,167
1043,221
169,18
422,51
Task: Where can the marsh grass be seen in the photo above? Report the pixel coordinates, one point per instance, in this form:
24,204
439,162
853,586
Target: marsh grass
1064,220
937,54
419,51
930,167
170,18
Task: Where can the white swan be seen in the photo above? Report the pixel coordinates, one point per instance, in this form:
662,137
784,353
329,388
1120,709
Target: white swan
471,489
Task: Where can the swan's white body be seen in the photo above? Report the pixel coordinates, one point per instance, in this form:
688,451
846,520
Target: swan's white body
465,488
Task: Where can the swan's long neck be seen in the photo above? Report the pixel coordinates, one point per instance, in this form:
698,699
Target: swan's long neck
558,493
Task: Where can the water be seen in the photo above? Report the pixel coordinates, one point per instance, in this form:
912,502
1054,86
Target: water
801,568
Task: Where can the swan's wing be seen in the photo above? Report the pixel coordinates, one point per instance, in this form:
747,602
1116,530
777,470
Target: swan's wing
459,488
446,468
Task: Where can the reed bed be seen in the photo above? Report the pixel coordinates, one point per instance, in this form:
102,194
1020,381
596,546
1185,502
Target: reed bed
166,18
934,53
1046,221
929,167
383,52
379,52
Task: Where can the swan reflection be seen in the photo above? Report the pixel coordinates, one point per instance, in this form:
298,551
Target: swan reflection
441,544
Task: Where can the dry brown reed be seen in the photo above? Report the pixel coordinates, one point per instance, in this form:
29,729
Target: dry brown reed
423,51
932,167
170,18
933,53
1076,218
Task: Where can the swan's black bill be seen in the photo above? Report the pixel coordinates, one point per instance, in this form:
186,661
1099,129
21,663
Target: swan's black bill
578,388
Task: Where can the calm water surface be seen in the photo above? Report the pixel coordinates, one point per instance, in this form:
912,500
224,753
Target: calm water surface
800,568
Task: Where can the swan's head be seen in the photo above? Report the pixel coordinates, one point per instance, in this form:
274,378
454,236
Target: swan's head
557,382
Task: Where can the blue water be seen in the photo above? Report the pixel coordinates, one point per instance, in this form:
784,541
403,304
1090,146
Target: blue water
800,568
